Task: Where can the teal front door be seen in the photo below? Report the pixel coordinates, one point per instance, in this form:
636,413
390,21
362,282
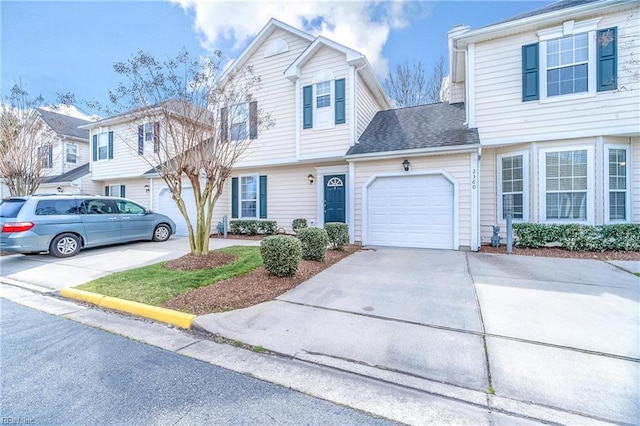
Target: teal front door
334,198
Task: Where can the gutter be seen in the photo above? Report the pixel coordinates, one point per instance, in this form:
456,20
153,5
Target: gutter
413,152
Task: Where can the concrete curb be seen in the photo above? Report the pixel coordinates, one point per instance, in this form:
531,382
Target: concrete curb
179,319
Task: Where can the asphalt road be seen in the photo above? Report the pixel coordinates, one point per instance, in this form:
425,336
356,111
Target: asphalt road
56,371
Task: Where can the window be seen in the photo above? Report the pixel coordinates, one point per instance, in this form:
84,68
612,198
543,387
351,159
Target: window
127,207
71,153
567,65
45,153
323,101
239,122
323,94
617,184
146,133
96,207
249,196
102,143
56,207
575,58
114,190
513,185
566,184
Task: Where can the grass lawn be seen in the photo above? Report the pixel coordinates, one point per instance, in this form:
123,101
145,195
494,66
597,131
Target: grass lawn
154,284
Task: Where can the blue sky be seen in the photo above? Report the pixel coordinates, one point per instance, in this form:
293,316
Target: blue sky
64,46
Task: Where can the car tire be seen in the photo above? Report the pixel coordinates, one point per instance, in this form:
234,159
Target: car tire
162,232
65,245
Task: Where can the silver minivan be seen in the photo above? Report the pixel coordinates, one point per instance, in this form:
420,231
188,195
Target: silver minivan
63,224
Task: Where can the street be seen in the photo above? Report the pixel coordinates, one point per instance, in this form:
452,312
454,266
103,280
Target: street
57,371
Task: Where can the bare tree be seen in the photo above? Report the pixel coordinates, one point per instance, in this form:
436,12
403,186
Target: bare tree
192,106
409,85
26,142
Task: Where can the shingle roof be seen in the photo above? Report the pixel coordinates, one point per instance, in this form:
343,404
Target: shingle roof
70,176
419,127
64,125
559,5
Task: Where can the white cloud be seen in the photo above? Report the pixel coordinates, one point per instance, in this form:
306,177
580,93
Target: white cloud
360,25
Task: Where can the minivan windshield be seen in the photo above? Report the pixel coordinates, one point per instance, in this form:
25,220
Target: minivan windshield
11,207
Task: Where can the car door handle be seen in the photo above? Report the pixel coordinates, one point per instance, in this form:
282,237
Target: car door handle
113,218
126,218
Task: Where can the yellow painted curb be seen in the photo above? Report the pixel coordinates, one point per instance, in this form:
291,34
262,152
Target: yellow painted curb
179,319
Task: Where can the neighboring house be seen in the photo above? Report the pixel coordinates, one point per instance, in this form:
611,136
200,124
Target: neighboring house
555,96
66,152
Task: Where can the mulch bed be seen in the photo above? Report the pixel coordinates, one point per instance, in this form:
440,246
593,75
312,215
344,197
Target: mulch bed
190,262
560,252
251,288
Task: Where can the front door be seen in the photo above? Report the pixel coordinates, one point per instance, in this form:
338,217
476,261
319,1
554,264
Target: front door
334,198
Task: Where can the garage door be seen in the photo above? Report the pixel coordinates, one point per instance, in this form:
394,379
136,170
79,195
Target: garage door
410,211
167,206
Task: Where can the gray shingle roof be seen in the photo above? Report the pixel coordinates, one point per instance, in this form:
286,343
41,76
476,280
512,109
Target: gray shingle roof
64,125
420,127
70,176
559,5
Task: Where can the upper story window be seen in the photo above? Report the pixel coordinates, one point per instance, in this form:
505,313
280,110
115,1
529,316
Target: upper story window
149,132
102,146
71,153
239,122
276,47
324,101
573,59
46,156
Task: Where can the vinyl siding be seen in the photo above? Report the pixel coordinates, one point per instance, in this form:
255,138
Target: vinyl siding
126,162
501,114
458,165
276,97
456,93
289,194
318,142
367,107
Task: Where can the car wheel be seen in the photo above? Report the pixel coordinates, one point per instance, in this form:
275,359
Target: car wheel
65,245
161,233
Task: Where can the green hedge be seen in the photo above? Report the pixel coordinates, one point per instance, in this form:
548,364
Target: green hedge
253,227
314,243
298,224
280,255
338,233
576,237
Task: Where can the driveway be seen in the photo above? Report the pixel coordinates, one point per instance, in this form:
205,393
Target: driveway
54,273
556,339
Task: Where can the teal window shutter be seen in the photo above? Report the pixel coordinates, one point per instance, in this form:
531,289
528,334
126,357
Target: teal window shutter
106,191
307,107
340,103
95,147
234,197
530,73
263,197
607,59
110,145
140,140
253,120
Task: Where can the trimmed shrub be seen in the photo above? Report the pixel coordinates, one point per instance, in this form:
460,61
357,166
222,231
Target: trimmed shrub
314,243
578,237
338,233
280,255
253,227
298,224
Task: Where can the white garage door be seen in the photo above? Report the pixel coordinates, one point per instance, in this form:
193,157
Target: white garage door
167,206
410,211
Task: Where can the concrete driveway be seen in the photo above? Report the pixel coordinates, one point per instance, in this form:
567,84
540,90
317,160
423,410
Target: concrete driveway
556,339
54,273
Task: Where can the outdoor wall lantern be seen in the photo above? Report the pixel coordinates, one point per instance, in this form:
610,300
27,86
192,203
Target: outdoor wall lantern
406,164
146,188
59,189
311,179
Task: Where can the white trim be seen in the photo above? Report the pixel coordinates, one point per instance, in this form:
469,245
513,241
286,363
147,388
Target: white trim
542,187
569,28
353,111
607,189
257,178
470,86
64,147
293,71
351,203
537,137
335,155
388,155
525,184
456,217
299,117
321,172
475,188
